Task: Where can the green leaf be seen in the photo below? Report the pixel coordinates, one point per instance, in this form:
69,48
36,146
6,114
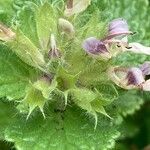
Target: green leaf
75,57
89,101
107,93
34,98
94,72
7,115
128,128
83,95
98,107
6,11
65,80
37,94
14,76
27,21
90,28
27,51
46,21
68,129
128,102
45,86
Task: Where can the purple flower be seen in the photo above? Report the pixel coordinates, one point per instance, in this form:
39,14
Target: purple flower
127,78
94,46
145,68
118,27
135,77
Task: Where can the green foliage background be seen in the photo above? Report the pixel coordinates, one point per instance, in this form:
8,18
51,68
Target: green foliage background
73,129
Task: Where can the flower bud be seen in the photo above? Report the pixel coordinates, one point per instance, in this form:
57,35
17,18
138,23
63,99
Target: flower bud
76,6
145,68
54,52
6,34
95,47
66,27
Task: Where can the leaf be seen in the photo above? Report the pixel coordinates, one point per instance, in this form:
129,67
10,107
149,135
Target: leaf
45,86
94,27
65,80
14,76
128,129
89,101
107,93
27,21
7,115
6,11
27,51
68,129
37,94
46,21
34,98
128,102
75,57
98,107
94,72
83,95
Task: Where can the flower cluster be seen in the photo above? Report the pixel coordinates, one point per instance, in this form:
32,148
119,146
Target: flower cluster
116,42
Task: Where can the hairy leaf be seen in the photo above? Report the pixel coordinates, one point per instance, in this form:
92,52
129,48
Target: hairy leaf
14,76
68,129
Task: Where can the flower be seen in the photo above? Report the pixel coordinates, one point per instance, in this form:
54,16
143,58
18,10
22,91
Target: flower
135,76
131,78
145,68
95,47
118,27
117,31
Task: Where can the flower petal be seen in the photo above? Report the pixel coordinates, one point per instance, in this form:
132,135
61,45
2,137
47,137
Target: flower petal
94,46
145,68
118,76
126,78
138,48
118,27
135,76
146,85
